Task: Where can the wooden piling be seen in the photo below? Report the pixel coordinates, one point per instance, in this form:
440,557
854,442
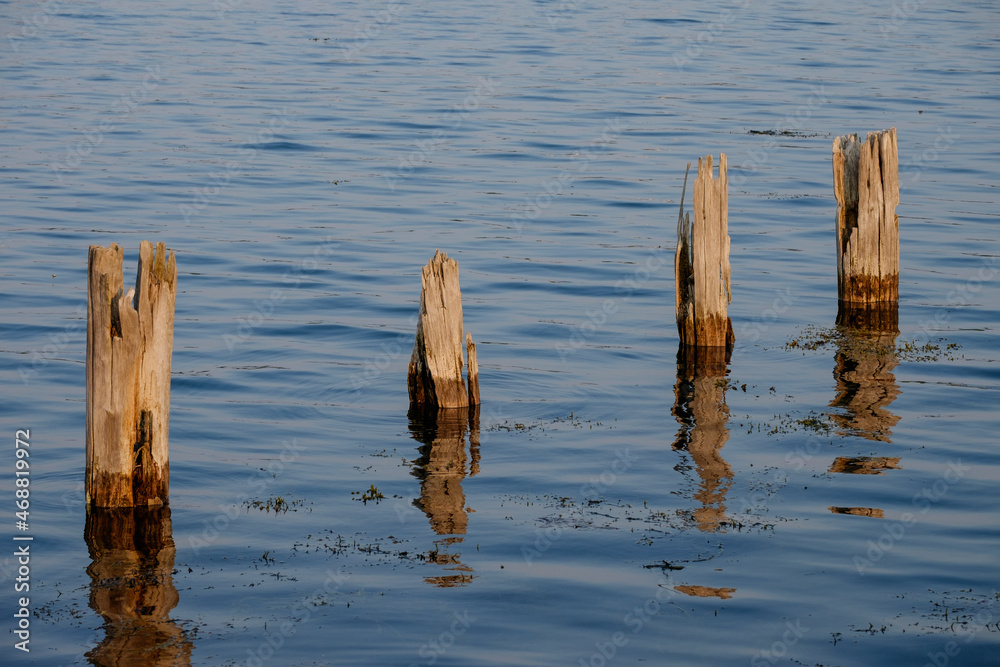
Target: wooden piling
129,345
470,351
701,262
434,378
866,185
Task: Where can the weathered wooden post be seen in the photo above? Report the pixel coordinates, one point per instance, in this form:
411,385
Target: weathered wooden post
473,373
129,343
701,265
435,373
866,185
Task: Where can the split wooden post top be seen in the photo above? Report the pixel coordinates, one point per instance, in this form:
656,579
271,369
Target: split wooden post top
129,345
434,378
866,185
701,262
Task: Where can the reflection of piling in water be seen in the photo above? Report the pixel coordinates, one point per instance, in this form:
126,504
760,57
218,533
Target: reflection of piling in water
865,465
874,317
451,563
706,592
131,587
866,355
441,467
872,512
865,384
701,410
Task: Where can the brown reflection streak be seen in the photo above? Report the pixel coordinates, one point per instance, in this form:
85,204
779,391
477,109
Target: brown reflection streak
701,410
706,592
131,587
873,512
865,465
441,467
864,361
866,387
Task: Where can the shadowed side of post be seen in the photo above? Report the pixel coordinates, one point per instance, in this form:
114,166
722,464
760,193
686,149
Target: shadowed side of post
470,349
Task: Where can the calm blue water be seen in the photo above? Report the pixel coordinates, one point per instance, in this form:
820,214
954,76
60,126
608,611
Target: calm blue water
304,160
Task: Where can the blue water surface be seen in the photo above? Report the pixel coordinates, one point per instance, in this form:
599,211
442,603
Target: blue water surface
304,161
